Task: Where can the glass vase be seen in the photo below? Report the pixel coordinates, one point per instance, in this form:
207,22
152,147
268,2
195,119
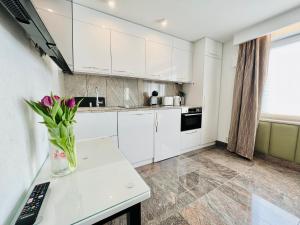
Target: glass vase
62,162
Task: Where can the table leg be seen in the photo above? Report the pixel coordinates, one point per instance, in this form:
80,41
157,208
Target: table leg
134,215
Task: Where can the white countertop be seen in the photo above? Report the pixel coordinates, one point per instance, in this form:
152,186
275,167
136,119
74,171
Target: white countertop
103,184
124,109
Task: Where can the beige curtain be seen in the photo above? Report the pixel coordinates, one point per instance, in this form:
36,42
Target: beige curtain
250,76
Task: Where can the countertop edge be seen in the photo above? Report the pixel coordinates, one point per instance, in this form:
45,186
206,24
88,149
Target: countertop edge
120,109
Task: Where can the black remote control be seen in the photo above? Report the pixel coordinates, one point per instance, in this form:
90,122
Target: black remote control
32,207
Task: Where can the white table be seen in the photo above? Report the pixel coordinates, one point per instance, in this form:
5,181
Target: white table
104,186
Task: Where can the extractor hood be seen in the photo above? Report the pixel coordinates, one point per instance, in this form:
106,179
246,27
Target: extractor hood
27,16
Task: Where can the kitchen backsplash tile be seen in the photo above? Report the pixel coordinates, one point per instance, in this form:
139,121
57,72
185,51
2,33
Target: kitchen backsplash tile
94,82
118,91
131,92
75,85
114,91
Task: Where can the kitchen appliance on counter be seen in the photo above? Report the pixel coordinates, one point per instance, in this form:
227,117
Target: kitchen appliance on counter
167,101
91,101
191,118
177,100
154,98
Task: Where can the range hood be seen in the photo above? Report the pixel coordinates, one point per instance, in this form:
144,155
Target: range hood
27,16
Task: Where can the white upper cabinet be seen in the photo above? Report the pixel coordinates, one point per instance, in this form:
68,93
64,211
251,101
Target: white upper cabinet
182,65
57,17
128,54
213,48
158,61
91,49
104,44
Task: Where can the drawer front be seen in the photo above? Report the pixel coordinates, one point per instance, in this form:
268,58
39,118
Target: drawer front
94,125
190,139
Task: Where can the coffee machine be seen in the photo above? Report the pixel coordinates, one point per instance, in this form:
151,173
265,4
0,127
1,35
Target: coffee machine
154,98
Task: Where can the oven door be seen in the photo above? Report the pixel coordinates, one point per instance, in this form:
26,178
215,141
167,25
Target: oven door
191,121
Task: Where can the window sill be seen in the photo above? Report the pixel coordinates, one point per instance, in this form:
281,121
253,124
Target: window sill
280,121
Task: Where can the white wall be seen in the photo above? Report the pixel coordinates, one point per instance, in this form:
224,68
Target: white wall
23,142
268,26
226,90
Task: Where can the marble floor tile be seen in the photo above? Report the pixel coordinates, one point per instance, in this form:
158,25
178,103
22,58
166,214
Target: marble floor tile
216,208
216,187
174,220
198,184
275,188
149,170
228,159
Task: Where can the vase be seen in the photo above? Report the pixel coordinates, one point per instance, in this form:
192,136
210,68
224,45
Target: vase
62,162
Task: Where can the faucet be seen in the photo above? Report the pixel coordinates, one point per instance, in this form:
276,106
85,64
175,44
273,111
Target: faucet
97,97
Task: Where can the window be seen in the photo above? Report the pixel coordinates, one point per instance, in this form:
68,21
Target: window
281,95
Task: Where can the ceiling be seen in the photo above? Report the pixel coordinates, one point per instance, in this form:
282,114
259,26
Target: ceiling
194,19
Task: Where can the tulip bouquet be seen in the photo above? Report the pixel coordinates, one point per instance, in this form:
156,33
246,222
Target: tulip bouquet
58,115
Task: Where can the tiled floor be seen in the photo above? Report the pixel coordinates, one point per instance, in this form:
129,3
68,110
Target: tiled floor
215,187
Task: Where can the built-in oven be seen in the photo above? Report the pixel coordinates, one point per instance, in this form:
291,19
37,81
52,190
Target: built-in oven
191,118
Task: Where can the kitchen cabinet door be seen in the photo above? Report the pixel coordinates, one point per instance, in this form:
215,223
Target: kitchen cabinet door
190,140
135,131
213,48
181,64
158,61
167,134
95,125
128,54
91,49
211,91
60,28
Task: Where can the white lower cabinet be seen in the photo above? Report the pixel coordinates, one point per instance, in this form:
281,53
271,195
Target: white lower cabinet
167,134
142,136
135,131
96,125
190,140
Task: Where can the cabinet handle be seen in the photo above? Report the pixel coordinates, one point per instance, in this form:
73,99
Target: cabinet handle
192,132
140,114
192,114
90,67
156,123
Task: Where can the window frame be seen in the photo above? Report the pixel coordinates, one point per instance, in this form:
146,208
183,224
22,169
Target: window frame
278,117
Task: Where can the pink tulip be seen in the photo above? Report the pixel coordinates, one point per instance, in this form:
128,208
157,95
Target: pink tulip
47,101
56,97
70,103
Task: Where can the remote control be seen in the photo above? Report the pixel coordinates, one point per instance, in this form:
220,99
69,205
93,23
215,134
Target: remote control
32,207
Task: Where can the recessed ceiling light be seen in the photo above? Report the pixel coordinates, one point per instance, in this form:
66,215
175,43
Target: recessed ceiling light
50,10
163,22
111,4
